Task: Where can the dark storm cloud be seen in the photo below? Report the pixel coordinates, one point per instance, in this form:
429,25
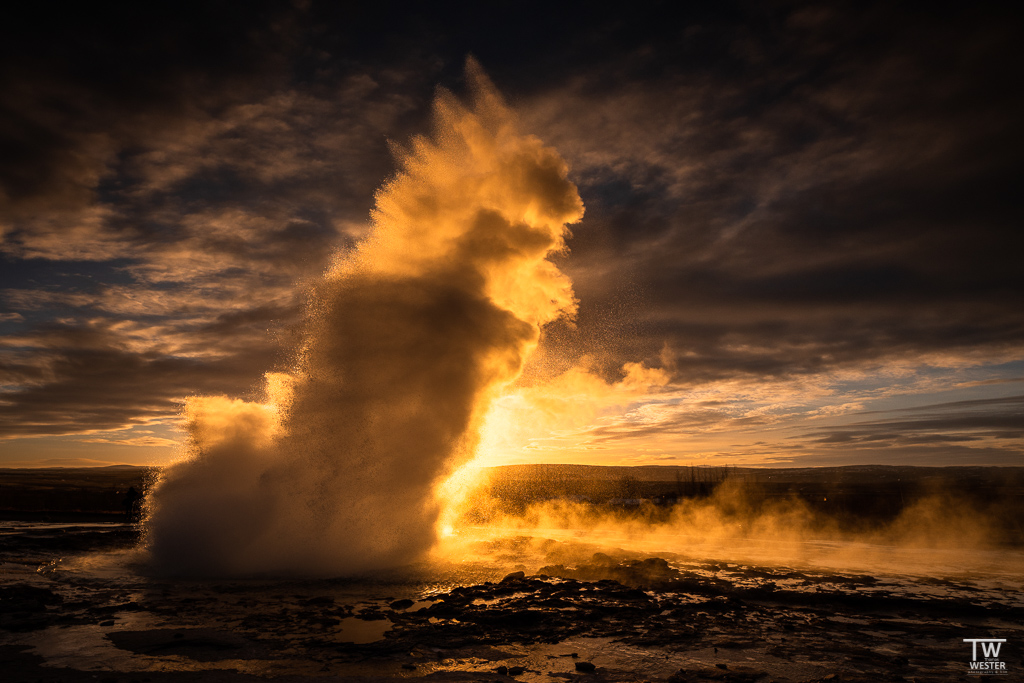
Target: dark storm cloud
958,421
85,379
78,78
170,178
117,122
846,196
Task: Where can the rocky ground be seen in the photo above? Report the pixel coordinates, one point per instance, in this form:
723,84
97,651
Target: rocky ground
69,614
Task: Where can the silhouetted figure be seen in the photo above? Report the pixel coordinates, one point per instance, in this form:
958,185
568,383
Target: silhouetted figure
133,504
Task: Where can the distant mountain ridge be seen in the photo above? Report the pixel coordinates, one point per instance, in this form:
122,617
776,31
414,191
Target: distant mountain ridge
850,473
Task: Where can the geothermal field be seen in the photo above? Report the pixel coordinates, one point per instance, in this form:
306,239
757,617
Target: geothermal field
552,575
404,449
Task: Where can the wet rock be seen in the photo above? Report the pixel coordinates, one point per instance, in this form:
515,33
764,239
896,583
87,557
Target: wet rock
401,604
730,645
744,677
26,608
723,674
321,600
553,570
22,598
204,645
585,667
513,619
372,615
443,609
514,576
555,603
633,594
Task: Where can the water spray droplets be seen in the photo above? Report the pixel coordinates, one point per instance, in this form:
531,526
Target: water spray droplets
410,337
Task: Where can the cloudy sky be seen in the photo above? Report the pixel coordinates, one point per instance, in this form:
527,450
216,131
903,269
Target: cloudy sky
802,242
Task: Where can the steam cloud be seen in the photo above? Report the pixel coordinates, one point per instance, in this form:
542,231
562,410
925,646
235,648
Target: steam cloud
409,338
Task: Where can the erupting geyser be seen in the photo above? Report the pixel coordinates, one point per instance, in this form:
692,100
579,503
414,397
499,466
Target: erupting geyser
409,338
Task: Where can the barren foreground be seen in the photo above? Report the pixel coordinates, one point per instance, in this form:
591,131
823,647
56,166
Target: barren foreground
73,609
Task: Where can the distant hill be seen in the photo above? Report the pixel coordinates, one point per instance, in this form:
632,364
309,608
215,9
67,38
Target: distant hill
846,474
70,492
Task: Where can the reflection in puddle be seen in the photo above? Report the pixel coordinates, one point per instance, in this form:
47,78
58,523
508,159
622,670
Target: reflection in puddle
359,631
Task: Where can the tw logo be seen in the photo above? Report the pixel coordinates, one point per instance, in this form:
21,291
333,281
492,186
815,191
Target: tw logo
989,647
989,663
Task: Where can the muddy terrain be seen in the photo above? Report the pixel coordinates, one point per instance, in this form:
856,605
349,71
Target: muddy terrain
73,607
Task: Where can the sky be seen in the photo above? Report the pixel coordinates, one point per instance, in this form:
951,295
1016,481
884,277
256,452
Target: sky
802,240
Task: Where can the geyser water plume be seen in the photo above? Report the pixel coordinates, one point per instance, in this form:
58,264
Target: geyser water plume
409,338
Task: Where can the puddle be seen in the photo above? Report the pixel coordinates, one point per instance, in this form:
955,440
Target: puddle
359,631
